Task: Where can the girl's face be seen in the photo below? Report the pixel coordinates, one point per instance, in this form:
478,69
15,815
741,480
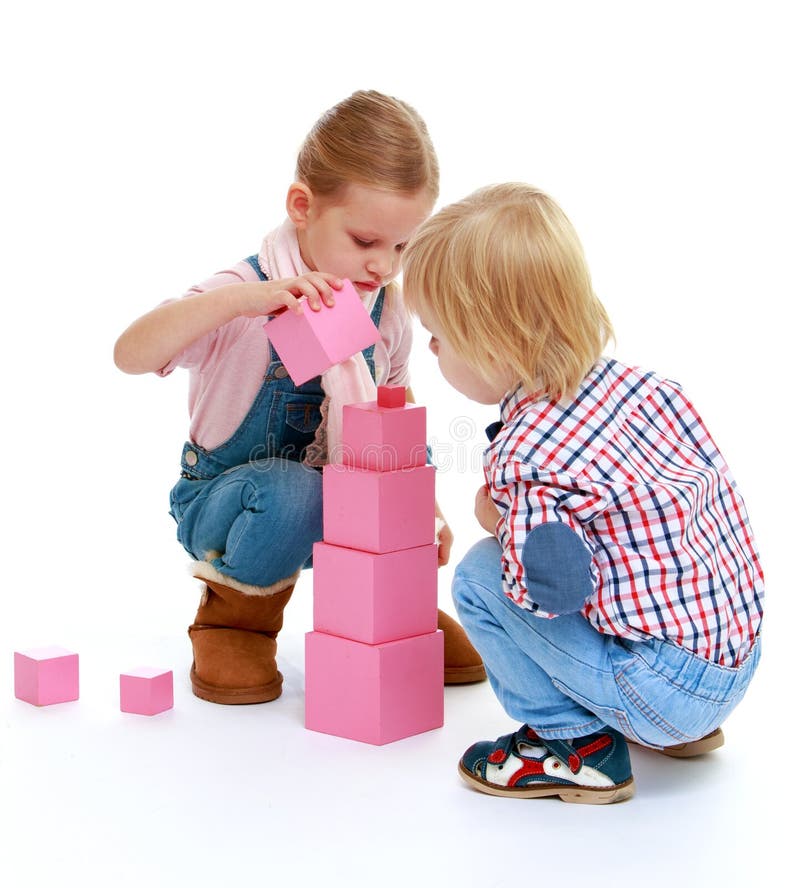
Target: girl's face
360,234
464,378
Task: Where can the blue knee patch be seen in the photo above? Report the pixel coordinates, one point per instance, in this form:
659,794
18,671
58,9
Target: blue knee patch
557,567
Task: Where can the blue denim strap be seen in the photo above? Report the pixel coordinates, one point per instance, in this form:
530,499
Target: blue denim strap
377,311
253,260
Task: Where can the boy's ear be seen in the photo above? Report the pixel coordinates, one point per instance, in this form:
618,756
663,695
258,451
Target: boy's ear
298,203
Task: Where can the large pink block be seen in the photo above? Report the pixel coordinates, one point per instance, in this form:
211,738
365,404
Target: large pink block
375,598
146,691
378,511
310,343
46,675
374,693
382,439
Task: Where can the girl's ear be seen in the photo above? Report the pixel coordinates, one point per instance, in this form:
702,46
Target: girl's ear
298,204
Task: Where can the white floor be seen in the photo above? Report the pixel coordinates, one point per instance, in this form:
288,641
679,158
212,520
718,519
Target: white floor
208,795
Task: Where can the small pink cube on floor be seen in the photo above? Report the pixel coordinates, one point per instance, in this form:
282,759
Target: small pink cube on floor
46,675
146,691
374,693
311,343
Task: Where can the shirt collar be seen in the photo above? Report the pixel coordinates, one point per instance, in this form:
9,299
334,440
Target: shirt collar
515,401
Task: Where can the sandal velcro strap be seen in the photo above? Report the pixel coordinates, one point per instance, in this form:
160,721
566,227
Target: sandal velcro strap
565,752
559,748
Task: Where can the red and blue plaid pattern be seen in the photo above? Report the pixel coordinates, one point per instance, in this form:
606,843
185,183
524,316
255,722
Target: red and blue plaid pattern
630,467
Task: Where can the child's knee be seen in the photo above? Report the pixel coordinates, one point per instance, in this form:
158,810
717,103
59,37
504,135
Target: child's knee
478,574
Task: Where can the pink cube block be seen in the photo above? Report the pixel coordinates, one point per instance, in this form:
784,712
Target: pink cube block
310,343
391,396
382,439
378,511
374,693
375,598
146,691
46,675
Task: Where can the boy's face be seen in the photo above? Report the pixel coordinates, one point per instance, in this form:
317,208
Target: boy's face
470,382
360,234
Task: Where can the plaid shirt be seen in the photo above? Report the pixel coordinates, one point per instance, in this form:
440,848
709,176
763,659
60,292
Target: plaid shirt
629,467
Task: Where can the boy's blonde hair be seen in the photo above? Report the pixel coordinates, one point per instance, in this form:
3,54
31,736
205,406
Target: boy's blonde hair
369,139
504,276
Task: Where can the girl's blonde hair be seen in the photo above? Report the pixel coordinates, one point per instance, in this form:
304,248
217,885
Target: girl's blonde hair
369,139
504,276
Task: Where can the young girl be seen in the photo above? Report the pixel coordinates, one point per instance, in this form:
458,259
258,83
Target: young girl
248,504
619,595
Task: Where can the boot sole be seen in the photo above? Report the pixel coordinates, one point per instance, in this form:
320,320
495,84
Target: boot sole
581,795
235,696
457,675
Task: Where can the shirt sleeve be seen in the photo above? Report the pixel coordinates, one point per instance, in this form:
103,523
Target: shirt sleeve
547,554
196,353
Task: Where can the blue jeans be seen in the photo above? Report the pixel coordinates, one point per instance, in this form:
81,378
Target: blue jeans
263,517
565,679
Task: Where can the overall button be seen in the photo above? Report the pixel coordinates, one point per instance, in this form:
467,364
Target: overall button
281,372
191,458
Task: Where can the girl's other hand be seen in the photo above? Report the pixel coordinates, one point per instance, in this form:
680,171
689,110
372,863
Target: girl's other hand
275,297
445,541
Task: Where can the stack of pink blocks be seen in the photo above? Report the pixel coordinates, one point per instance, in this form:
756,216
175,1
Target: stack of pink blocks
375,660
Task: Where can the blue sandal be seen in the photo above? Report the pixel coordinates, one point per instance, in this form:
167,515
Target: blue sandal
595,769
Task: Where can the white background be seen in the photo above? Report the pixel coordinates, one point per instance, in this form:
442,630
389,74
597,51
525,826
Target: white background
147,145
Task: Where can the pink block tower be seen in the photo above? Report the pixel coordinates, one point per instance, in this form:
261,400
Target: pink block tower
375,660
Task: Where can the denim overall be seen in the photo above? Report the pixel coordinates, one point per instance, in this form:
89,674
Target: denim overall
251,501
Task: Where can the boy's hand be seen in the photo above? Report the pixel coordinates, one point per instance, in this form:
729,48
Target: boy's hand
274,297
486,511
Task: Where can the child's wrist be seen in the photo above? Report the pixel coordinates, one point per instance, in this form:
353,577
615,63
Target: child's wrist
244,300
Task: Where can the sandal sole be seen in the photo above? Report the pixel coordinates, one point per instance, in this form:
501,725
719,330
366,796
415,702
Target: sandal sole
582,795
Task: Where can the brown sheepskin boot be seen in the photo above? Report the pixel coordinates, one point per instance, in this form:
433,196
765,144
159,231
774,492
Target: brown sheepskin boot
233,639
462,663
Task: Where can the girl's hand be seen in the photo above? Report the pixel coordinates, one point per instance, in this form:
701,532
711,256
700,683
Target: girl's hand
444,537
486,511
445,540
274,297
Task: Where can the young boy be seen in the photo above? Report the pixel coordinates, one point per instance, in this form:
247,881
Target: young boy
619,595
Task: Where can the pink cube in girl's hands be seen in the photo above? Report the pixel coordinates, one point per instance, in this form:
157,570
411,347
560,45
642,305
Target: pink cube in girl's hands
311,343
